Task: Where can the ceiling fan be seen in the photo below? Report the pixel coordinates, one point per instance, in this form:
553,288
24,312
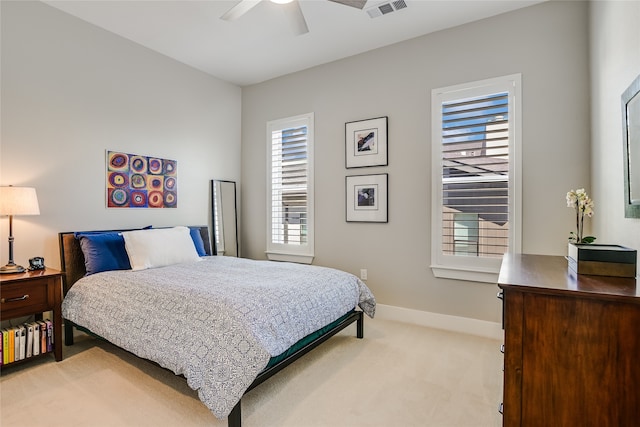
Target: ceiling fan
291,8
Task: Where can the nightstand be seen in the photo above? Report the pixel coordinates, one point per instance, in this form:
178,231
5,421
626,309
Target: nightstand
34,292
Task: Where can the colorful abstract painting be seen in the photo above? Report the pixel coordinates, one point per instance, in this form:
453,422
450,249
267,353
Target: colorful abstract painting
135,181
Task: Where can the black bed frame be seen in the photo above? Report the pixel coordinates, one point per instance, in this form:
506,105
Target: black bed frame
72,263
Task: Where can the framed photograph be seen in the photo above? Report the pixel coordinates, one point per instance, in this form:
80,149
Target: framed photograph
367,198
366,143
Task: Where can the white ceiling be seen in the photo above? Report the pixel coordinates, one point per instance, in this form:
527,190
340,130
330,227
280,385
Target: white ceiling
260,45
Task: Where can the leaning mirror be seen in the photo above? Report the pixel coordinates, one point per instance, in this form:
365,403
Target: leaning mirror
224,218
631,138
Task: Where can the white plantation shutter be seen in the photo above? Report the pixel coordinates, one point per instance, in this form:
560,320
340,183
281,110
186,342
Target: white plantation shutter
475,176
290,192
476,182
289,186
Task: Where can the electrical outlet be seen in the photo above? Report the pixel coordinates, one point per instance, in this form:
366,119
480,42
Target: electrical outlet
363,274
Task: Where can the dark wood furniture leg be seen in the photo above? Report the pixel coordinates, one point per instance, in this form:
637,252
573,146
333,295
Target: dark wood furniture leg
68,333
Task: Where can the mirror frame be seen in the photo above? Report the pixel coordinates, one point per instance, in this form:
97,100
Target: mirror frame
213,216
631,208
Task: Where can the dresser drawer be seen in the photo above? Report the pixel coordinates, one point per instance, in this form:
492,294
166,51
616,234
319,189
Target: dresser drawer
24,297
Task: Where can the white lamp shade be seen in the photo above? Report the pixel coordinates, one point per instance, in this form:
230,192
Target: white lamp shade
18,201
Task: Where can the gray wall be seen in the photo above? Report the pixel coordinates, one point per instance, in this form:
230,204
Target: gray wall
615,62
70,91
547,43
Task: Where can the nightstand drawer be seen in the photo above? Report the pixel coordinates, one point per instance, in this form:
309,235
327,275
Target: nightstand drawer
33,293
30,296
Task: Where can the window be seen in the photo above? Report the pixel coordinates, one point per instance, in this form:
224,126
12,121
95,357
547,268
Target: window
476,177
290,189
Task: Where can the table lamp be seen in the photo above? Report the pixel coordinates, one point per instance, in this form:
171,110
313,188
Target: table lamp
16,201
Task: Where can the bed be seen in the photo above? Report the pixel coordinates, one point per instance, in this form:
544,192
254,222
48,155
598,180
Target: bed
226,324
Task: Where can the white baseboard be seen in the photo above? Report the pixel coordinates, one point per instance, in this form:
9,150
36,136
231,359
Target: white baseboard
447,322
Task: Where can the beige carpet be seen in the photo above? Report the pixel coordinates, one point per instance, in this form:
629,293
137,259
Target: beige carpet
398,375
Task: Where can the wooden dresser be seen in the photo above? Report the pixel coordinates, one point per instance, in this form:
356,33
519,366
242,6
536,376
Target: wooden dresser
572,345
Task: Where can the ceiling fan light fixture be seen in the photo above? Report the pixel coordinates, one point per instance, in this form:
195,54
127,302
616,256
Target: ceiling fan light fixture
291,8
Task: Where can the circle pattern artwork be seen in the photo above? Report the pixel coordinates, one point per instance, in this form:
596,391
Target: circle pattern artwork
118,162
169,167
155,183
118,179
138,199
155,199
155,166
138,181
170,183
170,199
118,197
139,164
135,181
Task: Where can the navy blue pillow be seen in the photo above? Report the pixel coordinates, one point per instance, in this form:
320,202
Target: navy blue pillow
197,241
103,251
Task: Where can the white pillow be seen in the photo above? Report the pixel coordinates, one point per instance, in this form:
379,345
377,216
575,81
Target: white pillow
158,247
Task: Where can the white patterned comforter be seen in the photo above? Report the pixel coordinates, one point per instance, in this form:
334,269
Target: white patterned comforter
218,321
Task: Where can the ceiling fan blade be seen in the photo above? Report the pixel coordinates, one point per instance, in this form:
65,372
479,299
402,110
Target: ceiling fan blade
296,18
358,4
239,9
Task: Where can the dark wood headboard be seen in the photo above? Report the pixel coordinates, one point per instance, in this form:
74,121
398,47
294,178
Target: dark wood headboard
72,259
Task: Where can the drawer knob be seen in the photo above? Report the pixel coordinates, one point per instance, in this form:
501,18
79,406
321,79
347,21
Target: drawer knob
22,298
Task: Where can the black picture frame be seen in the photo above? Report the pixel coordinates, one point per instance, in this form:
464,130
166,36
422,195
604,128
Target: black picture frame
367,198
366,143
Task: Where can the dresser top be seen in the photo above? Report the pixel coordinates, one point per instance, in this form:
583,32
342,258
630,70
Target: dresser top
551,275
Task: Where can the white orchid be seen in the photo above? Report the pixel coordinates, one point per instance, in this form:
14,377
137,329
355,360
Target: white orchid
580,201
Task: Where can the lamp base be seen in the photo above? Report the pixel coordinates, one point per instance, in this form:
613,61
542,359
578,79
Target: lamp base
12,268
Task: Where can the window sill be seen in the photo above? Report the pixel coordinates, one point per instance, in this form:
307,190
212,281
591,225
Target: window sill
468,274
286,257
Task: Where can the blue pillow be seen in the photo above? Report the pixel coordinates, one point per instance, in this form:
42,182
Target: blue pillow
103,251
197,241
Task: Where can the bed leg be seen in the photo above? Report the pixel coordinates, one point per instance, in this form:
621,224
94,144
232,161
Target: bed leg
360,326
235,417
68,333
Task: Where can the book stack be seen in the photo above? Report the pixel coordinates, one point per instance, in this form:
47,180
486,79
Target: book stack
25,341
